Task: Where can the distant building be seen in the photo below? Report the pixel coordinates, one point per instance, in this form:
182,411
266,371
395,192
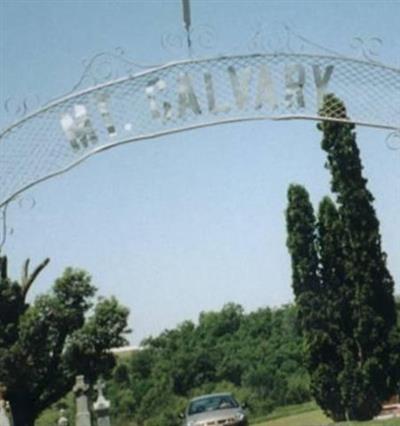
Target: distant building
390,409
125,350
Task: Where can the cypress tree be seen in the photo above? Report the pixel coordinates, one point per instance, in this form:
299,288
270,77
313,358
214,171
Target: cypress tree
300,222
326,369
341,283
315,294
368,315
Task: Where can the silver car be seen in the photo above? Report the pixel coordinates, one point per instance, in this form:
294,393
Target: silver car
217,409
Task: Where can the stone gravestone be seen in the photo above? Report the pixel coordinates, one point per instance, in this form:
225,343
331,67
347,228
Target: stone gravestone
82,402
62,421
101,406
4,420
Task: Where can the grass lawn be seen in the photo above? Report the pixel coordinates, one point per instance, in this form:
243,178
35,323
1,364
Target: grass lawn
316,418
309,415
311,418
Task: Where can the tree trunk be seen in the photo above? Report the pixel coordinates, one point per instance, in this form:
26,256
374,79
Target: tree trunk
23,411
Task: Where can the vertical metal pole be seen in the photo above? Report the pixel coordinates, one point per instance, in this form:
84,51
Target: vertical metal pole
187,21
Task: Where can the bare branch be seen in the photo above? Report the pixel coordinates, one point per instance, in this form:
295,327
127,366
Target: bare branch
27,280
25,272
3,267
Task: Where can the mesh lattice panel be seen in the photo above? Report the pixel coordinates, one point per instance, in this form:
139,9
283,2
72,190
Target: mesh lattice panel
193,94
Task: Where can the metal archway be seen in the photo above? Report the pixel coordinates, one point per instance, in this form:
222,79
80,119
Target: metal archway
187,95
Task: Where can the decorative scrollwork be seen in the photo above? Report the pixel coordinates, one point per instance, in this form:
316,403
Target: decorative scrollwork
3,226
392,140
368,48
107,66
270,38
202,37
280,37
25,203
17,108
173,41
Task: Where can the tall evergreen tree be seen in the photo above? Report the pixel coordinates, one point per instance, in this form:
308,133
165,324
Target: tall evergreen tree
313,295
350,327
300,221
327,369
371,364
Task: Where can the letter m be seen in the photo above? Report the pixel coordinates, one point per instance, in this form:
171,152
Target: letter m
78,128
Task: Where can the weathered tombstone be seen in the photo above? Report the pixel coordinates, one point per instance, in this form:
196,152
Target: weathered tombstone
101,406
4,419
62,421
82,402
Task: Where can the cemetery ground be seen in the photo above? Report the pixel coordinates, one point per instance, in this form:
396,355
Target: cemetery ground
309,414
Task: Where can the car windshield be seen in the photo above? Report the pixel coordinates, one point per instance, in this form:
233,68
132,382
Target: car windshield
211,403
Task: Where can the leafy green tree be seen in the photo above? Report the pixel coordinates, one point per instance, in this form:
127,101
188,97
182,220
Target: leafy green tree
370,353
44,345
257,356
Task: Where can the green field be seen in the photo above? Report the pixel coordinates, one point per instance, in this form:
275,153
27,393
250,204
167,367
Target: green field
312,418
309,415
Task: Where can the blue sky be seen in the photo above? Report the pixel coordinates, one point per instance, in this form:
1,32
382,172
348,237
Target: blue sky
184,223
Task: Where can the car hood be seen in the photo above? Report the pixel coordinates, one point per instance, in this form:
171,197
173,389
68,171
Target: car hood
214,415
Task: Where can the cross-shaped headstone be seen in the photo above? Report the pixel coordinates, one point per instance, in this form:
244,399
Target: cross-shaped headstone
101,406
82,405
99,387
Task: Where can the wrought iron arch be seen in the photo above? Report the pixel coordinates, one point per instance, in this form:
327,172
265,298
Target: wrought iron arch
191,94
